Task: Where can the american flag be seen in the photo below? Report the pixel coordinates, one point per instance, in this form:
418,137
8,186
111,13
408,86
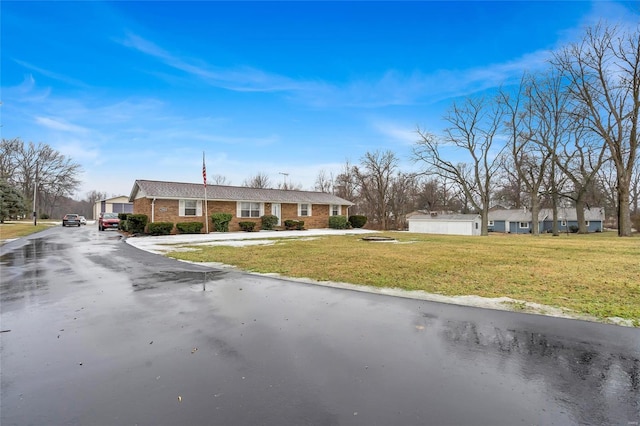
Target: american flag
204,171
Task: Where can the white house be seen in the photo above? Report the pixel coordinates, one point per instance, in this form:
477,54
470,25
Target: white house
447,224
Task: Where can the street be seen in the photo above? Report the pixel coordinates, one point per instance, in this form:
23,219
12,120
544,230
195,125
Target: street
96,332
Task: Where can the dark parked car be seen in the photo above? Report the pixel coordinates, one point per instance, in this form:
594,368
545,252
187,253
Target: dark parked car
108,220
71,220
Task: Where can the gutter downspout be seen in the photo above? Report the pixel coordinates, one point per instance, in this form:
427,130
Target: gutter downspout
153,210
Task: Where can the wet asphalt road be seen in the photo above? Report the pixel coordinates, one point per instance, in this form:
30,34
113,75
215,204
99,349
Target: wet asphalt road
102,333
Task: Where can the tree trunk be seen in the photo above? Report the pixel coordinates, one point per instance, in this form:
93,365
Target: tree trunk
582,226
484,228
624,212
535,212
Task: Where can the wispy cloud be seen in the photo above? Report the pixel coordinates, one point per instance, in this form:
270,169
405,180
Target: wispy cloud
60,125
242,79
51,74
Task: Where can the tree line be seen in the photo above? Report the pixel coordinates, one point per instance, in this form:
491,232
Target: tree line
567,136
28,171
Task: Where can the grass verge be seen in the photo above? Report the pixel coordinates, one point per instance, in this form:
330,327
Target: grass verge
596,274
17,229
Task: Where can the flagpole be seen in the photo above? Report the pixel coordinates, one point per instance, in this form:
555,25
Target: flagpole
206,209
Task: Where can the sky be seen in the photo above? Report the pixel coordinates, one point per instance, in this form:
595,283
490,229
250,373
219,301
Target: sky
140,90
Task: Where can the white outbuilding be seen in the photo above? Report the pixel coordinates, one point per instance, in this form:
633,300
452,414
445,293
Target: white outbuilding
447,224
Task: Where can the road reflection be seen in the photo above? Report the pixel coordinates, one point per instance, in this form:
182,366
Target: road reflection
598,386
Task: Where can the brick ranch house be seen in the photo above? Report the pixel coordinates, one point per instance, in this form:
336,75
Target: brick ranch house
184,202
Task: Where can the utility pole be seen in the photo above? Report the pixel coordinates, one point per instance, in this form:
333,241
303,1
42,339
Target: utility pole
35,192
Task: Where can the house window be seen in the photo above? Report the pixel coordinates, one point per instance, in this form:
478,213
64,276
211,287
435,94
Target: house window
335,210
190,208
490,223
586,222
476,225
563,223
304,209
249,209
524,225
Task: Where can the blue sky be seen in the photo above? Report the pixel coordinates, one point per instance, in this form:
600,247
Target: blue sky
138,90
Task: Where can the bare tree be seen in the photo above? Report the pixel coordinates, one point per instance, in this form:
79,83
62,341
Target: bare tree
260,180
323,182
603,70
39,167
474,126
345,186
218,180
402,200
529,134
374,180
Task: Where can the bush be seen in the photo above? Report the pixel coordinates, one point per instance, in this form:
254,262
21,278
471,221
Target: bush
247,226
338,222
123,221
189,227
294,224
269,221
357,221
160,228
44,216
136,223
221,221
574,229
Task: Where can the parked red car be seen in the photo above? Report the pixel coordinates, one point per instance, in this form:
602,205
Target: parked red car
108,221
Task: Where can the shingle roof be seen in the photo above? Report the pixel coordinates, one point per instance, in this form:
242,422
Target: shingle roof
181,190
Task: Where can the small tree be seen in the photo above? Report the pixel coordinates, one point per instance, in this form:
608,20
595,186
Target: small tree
11,202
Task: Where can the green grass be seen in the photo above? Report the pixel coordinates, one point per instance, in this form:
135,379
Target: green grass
595,274
17,229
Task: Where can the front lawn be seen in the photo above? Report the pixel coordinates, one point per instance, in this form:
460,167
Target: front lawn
596,274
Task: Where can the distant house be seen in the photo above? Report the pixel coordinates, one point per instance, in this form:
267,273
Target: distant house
119,204
447,224
185,202
519,221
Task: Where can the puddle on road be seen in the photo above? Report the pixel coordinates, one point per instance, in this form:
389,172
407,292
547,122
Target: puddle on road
197,279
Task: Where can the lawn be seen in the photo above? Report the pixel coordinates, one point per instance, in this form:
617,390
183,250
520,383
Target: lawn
596,274
16,229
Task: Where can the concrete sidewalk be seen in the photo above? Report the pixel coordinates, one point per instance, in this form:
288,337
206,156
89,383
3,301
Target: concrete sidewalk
166,243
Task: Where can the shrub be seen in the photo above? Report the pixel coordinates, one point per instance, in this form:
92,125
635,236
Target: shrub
136,223
574,229
44,216
123,221
160,228
269,221
247,226
294,224
189,227
338,222
221,221
357,221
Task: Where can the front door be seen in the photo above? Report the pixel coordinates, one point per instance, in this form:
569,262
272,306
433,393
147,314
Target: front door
276,210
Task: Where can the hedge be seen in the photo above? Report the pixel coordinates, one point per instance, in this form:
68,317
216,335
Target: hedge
357,221
294,224
136,223
160,228
189,227
247,226
269,221
338,222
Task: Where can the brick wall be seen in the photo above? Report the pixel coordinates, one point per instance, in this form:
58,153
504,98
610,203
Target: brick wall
168,211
